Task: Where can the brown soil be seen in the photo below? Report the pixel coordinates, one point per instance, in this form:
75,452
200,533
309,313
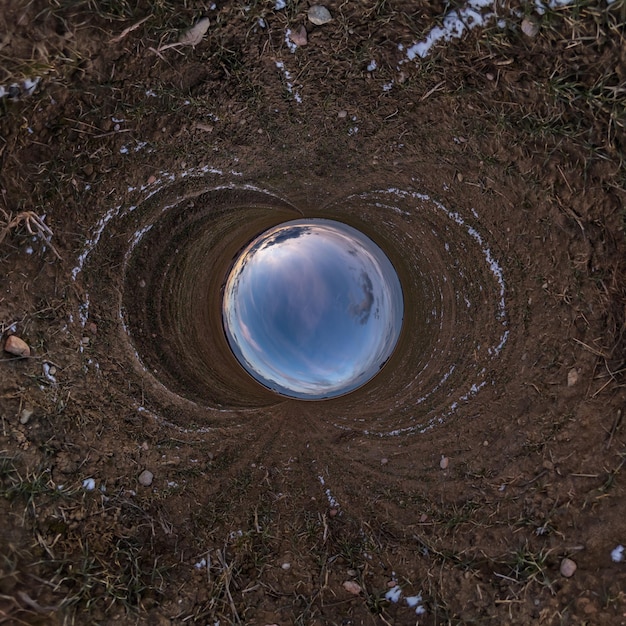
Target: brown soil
488,449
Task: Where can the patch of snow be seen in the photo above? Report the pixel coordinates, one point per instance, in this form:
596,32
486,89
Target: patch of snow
290,44
89,484
617,554
372,65
475,13
332,501
296,96
394,594
416,603
30,84
46,372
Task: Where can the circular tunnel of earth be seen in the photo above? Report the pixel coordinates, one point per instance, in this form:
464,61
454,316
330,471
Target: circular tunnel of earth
178,246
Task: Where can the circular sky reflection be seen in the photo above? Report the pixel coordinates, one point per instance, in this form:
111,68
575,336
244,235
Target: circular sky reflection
312,309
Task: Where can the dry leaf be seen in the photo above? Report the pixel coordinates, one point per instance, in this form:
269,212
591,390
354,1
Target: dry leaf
194,35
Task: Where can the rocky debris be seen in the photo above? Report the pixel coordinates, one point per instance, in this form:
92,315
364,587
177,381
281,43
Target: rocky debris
568,567
18,347
530,27
286,566
319,15
572,377
25,414
351,587
445,461
145,478
299,36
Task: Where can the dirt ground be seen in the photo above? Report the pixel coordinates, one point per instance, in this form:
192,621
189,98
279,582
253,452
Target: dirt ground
146,480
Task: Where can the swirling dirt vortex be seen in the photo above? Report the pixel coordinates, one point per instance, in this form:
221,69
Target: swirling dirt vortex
260,510
176,246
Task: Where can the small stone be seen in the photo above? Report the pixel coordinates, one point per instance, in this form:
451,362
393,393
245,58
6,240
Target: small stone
530,28
18,347
26,414
145,446
333,513
319,15
572,377
423,518
568,567
445,461
384,461
342,115
351,587
286,566
299,36
490,76
92,327
145,478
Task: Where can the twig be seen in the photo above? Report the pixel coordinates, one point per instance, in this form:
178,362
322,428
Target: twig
616,424
128,30
31,220
430,92
592,350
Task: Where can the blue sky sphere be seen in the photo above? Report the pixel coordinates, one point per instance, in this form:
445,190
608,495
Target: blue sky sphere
312,309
